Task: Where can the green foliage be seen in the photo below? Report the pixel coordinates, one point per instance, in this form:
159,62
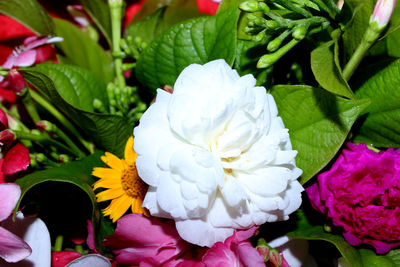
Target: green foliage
148,28
90,55
199,40
99,12
381,126
77,173
327,71
318,123
354,257
29,13
73,90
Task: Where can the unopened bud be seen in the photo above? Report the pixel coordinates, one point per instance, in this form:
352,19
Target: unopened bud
274,44
249,6
259,36
382,12
16,81
300,32
272,24
269,254
7,137
45,126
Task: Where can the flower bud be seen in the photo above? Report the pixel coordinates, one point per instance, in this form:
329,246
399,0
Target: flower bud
7,137
249,6
16,81
274,44
269,254
300,32
382,12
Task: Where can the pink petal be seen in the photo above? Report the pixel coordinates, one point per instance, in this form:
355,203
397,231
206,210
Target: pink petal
220,255
9,63
9,195
90,236
7,95
25,59
3,119
246,234
31,43
248,255
207,6
2,181
158,232
17,159
12,248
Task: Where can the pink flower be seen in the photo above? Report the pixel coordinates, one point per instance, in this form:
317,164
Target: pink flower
235,251
139,239
208,6
12,248
361,194
30,52
382,12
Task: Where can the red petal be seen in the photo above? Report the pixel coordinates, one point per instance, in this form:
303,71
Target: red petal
17,82
62,258
207,6
3,120
17,159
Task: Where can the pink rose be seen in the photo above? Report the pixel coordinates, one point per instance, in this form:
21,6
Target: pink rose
361,194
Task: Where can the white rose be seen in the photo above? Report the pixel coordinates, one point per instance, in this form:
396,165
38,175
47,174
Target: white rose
216,155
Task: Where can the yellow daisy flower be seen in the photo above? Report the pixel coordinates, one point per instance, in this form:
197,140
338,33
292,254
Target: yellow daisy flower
124,187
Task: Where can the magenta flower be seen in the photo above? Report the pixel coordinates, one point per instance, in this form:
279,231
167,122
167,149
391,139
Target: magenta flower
138,239
235,251
12,248
361,194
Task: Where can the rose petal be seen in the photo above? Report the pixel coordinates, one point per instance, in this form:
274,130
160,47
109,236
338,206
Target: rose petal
62,258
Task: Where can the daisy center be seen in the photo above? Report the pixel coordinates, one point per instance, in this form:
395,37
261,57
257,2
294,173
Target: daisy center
132,184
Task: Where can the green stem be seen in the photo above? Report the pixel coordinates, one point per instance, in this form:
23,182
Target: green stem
69,142
29,105
44,139
116,17
58,243
368,40
79,248
269,59
289,5
61,118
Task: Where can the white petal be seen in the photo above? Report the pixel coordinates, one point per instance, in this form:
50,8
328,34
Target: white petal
150,203
169,197
90,260
201,232
233,192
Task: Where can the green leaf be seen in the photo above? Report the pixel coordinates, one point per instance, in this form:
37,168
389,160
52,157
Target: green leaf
318,123
100,13
199,40
381,127
79,49
306,230
77,173
324,65
355,29
73,90
29,13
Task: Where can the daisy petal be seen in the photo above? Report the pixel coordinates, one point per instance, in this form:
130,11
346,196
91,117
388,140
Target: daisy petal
113,161
109,194
106,173
130,155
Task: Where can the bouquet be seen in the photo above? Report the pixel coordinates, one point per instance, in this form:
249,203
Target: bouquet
199,133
